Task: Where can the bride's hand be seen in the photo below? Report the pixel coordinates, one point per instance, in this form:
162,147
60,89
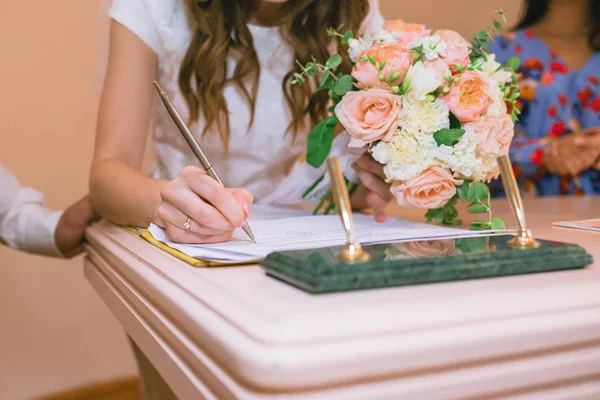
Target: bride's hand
377,194
214,211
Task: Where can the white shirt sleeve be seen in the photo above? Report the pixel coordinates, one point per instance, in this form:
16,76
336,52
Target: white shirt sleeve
25,223
136,15
374,21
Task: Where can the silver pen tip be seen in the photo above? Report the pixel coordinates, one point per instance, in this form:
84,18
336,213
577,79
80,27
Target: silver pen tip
249,232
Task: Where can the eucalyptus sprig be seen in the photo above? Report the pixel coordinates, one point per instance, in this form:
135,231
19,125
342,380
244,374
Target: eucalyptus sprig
337,85
478,195
479,42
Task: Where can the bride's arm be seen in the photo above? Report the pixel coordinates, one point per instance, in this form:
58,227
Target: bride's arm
119,191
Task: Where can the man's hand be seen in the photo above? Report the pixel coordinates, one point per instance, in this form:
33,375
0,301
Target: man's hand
71,227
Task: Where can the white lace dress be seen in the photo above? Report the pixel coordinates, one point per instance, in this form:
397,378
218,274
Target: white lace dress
258,159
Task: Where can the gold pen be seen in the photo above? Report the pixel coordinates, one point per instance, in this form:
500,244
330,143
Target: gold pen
353,251
189,138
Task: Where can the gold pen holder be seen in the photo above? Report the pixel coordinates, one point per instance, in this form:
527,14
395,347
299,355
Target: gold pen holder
524,239
353,251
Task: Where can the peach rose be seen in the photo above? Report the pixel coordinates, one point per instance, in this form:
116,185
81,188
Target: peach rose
469,97
432,189
457,49
369,115
406,32
493,134
397,59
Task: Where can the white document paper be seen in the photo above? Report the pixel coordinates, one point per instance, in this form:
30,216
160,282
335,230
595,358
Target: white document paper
279,229
586,224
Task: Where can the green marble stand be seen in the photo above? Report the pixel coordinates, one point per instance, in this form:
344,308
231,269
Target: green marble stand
413,263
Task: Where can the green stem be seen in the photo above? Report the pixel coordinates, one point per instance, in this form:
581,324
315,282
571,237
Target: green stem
323,199
306,193
489,206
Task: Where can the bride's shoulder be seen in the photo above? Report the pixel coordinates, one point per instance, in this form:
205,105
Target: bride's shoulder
153,21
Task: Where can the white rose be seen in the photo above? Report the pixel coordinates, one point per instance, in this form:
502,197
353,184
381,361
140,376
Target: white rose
422,80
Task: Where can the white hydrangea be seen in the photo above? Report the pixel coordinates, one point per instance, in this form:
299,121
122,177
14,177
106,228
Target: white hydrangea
358,46
406,155
494,70
384,37
433,46
461,157
488,169
422,81
497,105
422,117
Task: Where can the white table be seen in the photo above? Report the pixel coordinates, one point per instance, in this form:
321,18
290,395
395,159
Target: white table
228,333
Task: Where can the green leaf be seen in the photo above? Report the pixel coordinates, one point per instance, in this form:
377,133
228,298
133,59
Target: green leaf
479,225
326,81
472,245
513,63
364,59
347,36
372,60
454,122
418,49
485,46
482,35
382,65
477,208
498,25
477,192
497,223
343,85
462,191
331,109
311,69
450,214
334,61
435,214
448,137
475,42
319,142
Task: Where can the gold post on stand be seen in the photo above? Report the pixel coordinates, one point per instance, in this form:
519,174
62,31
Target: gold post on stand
353,251
524,239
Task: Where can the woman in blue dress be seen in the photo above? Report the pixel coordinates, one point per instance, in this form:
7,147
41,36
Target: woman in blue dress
556,149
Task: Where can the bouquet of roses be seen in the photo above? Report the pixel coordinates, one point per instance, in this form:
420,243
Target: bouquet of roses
434,109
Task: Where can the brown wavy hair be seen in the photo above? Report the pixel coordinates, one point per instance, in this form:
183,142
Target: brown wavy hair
220,30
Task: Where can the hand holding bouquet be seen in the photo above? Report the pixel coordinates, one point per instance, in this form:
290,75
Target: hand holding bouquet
434,109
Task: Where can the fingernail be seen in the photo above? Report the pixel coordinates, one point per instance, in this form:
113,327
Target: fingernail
246,208
380,218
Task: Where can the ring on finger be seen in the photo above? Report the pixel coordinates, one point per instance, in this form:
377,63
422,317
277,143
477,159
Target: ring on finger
186,224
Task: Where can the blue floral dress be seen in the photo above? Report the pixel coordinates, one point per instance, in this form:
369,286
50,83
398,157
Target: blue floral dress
555,100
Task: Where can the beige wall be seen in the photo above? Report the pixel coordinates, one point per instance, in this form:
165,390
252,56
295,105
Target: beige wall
55,333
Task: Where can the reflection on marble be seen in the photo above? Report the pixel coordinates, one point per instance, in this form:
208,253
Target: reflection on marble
419,262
